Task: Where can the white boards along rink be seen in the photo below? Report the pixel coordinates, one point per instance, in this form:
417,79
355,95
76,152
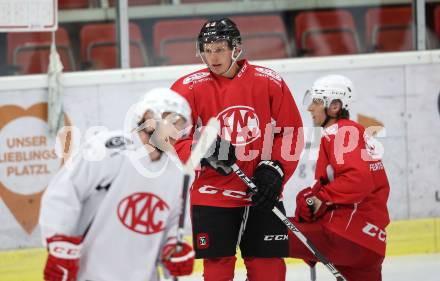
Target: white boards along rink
398,90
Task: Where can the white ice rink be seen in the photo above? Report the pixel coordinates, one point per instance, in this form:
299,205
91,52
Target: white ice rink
403,268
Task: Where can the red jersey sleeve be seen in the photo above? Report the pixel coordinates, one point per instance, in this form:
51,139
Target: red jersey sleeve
341,154
288,141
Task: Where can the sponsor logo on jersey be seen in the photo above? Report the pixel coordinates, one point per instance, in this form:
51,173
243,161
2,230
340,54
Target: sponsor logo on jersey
239,124
276,237
376,166
202,240
143,212
194,77
269,73
242,70
209,189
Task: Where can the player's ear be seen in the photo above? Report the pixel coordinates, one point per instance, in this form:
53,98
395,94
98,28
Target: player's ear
237,50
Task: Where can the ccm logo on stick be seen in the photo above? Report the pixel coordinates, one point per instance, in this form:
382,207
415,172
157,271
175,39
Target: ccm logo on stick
278,237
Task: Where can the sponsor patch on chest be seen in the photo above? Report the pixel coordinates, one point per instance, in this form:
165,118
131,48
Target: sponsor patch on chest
194,77
268,73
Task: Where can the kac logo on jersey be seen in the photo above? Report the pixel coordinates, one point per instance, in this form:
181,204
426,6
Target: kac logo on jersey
143,212
194,77
239,124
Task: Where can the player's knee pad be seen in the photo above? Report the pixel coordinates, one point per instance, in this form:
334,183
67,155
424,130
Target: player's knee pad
219,269
263,269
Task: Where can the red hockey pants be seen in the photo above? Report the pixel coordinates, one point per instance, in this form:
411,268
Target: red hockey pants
355,262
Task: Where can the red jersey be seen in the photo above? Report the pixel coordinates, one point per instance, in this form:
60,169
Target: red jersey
358,186
257,114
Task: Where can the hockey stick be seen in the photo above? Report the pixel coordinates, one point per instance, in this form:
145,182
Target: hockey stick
291,227
313,273
310,203
207,137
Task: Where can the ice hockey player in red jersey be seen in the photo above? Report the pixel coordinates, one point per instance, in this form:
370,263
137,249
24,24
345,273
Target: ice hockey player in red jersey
259,130
349,214
112,212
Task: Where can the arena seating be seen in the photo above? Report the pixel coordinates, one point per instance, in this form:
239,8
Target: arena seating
263,36
174,41
98,46
320,33
389,29
29,51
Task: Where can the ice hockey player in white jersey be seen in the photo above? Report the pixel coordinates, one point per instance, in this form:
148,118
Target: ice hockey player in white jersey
111,214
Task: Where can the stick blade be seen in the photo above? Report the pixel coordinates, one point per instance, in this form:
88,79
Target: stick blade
208,136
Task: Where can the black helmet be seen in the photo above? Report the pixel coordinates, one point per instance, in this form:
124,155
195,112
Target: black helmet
217,30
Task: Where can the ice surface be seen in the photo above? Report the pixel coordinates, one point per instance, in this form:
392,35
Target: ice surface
402,268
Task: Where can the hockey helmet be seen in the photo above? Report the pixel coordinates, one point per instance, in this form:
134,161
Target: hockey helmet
218,30
160,101
329,88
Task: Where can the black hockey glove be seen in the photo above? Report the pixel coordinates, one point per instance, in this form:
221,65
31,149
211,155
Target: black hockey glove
268,178
220,156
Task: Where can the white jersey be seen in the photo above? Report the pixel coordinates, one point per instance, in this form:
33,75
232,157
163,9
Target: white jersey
126,206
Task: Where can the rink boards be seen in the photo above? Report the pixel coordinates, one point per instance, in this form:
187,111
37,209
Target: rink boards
399,90
405,237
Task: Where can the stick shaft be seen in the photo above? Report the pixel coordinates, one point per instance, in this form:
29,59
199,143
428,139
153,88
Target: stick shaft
291,227
184,197
205,141
313,273
207,137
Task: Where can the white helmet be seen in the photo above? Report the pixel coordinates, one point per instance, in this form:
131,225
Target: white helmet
331,87
161,100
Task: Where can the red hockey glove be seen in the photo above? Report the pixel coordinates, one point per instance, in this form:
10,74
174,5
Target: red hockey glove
309,205
63,260
178,263
304,211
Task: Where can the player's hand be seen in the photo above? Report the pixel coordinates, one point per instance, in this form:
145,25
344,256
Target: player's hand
304,211
63,258
220,156
178,263
309,205
268,178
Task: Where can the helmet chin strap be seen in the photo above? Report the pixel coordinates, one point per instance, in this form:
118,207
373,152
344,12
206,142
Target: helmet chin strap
234,59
